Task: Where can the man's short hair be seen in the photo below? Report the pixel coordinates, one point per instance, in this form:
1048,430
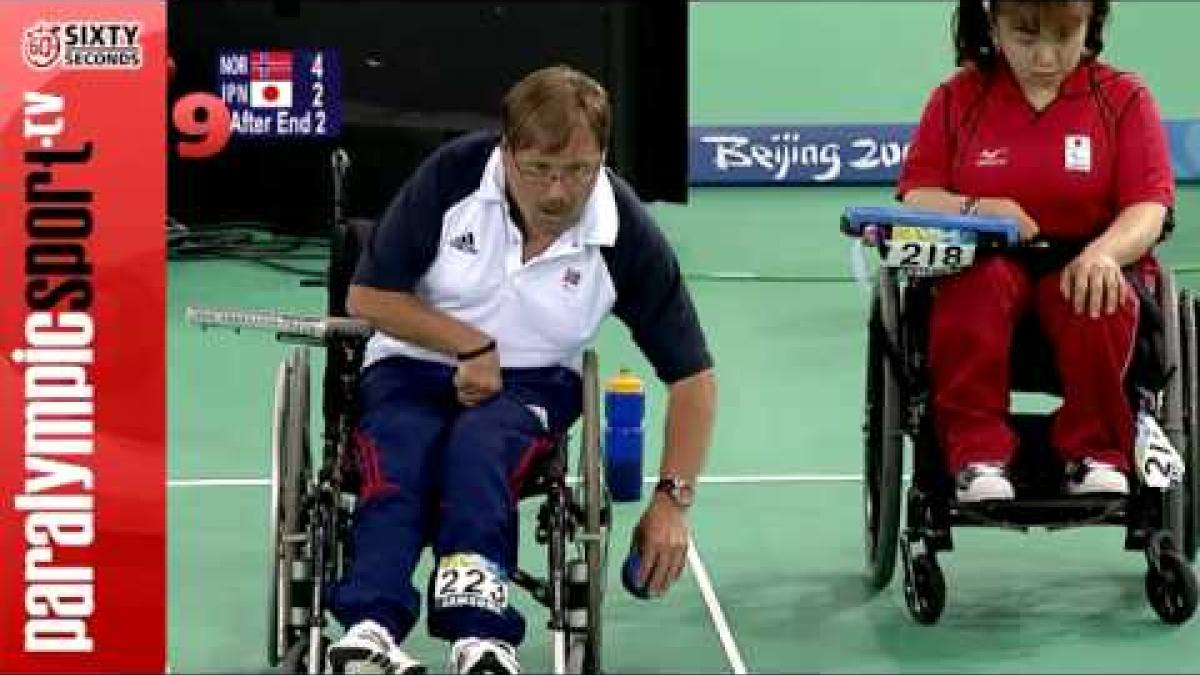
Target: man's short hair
548,104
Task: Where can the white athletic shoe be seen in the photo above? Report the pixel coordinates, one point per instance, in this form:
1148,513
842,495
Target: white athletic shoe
478,657
983,482
368,648
1090,477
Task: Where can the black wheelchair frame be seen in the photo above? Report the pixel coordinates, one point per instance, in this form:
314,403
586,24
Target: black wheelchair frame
312,508
1161,523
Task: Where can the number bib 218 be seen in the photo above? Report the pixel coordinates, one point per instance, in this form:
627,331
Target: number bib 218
929,250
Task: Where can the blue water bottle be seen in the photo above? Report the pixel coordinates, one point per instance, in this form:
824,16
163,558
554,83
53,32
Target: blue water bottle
624,408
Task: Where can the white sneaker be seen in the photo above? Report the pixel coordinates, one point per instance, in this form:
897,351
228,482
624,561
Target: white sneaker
983,482
1090,477
369,648
477,657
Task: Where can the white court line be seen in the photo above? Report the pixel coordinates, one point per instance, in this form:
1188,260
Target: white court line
717,480
732,654
218,482
772,478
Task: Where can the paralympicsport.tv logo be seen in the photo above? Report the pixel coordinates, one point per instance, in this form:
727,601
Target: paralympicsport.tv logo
81,45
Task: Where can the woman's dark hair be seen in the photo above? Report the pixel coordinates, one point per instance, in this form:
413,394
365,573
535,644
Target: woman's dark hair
972,30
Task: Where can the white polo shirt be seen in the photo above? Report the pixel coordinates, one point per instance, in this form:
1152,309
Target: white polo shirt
450,238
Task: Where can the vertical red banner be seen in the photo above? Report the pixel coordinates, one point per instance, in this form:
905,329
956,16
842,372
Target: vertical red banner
82,258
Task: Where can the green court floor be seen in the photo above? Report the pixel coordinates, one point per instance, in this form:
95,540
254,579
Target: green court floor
778,525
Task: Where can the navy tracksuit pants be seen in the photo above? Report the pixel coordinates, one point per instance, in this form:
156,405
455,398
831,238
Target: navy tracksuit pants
435,472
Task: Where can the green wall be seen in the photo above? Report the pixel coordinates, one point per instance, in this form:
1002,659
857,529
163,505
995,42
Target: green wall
861,61
847,61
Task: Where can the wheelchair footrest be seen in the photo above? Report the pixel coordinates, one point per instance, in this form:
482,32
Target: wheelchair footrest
1050,512
539,589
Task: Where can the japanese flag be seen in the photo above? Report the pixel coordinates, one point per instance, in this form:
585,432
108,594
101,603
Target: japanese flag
270,94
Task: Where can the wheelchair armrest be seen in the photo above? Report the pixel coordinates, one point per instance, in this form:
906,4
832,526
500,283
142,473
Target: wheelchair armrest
856,218
304,327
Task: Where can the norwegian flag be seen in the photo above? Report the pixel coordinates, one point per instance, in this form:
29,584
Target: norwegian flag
271,65
271,79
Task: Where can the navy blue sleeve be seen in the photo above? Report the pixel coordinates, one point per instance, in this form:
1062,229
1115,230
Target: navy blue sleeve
652,298
404,244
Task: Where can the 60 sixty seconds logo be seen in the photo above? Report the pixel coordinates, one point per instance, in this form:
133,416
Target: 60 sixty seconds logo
82,45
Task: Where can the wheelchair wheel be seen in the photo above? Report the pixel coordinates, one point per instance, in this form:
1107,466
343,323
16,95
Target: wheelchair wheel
883,438
1171,588
1175,500
585,654
1190,344
925,589
290,475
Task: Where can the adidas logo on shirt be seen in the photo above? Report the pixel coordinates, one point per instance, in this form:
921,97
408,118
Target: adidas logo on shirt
465,243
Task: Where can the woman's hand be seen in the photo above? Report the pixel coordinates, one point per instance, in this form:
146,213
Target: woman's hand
1093,283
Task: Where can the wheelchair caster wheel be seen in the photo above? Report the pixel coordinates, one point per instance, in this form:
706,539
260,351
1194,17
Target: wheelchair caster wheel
1171,588
295,661
925,589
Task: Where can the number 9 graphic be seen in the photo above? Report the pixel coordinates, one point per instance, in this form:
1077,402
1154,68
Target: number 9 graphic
204,119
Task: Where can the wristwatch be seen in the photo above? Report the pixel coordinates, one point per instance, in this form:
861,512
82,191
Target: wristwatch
678,489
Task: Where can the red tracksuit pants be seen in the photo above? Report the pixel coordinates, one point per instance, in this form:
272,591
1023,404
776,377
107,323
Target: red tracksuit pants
972,320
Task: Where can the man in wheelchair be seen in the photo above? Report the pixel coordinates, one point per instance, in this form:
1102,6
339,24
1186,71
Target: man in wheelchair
485,279
1036,128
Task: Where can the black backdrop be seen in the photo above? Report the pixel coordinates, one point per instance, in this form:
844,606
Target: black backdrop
415,74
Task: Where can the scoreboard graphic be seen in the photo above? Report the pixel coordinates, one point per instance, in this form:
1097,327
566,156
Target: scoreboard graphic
292,93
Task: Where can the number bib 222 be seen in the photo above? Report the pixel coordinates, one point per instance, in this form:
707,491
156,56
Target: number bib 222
469,580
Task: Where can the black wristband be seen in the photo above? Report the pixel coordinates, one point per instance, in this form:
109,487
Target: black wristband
475,353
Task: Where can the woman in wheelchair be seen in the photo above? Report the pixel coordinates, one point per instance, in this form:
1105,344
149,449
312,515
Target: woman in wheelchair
485,280
1035,127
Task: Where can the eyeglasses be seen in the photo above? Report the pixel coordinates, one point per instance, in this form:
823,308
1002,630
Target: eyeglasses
543,174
